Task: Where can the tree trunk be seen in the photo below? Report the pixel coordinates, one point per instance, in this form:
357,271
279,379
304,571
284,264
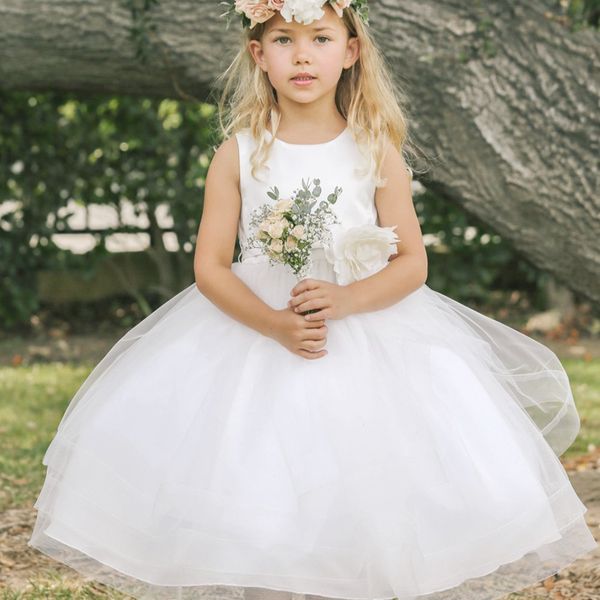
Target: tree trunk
502,95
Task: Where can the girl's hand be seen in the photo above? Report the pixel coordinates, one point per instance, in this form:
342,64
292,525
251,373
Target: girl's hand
299,336
331,300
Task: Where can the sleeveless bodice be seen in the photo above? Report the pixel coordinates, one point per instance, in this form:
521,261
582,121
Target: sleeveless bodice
337,162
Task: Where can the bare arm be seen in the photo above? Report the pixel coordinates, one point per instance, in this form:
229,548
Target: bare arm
215,245
407,270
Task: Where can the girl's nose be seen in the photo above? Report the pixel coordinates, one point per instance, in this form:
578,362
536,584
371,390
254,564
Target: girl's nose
302,52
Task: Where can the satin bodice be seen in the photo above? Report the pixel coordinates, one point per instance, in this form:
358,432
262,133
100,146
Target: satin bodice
338,162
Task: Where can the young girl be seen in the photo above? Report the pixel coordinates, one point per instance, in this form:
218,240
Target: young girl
347,433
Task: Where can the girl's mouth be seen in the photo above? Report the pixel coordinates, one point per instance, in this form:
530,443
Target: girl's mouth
303,80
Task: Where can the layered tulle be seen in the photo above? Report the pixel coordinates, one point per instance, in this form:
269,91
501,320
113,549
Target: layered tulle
418,458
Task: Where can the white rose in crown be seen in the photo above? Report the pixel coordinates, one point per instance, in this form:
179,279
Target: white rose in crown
361,251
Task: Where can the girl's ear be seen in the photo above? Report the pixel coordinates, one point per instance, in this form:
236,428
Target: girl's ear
255,49
352,52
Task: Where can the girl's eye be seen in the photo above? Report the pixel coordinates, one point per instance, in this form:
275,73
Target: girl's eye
285,37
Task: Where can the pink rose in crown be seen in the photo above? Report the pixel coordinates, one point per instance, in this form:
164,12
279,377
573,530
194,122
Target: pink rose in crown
339,6
257,11
276,4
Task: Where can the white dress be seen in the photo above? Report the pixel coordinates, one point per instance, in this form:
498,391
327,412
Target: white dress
419,457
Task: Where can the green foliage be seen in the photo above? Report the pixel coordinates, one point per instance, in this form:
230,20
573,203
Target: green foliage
583,13
469,260
57,149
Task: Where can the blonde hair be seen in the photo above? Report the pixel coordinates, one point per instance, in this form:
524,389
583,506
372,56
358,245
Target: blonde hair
366,96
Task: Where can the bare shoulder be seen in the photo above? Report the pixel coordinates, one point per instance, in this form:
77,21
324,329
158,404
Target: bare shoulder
395,206
397,177
394,162
225,162
217,232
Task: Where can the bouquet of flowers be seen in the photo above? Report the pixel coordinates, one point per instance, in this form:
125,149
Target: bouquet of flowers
287,231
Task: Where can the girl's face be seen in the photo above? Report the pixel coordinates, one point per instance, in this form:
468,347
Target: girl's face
321,48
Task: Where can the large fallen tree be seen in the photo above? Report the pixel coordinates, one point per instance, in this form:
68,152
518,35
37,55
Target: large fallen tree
504,95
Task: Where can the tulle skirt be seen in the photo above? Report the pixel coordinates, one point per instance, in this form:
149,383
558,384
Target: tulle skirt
418,458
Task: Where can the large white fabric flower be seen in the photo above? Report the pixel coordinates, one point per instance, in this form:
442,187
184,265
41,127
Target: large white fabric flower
361,251
304,11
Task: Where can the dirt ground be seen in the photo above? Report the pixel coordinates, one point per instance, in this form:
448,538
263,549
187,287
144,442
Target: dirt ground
57,345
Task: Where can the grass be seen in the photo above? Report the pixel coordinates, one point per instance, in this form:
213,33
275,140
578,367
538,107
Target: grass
585,383
32,401
54,585
34,398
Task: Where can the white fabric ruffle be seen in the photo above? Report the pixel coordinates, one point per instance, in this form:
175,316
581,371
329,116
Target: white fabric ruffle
419,458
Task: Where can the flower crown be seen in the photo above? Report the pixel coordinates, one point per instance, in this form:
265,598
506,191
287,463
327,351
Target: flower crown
303,11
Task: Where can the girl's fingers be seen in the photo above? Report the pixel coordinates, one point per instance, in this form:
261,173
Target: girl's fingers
318,304
314,324
318,316
315,333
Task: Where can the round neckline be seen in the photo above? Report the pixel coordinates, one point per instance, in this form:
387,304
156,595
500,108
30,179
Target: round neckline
337,137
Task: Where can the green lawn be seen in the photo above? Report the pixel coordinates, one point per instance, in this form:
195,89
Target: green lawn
585,383
32,401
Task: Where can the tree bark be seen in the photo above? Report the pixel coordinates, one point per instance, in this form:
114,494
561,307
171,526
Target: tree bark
501,94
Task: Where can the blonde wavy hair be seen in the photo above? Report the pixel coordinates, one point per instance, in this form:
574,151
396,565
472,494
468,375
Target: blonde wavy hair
366,96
